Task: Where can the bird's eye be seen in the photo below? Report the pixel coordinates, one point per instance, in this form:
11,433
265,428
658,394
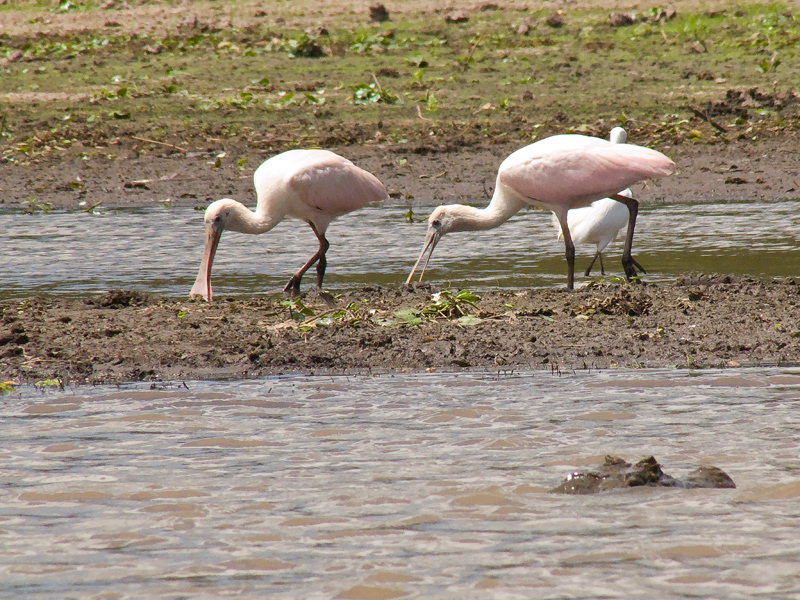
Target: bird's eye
436,223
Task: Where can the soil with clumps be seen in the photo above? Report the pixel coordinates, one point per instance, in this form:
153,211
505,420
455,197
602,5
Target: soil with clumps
123,336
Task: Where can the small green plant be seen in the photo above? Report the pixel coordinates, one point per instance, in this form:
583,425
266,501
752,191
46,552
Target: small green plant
45,383
284,99
314,98
304,46
364,42
243,101
350,314
6,387
411,316
431,103
769,66
297,310
451,305
33,206
4,132
372,93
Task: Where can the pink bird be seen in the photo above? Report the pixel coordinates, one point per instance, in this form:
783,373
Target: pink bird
316,186
557,173
600,222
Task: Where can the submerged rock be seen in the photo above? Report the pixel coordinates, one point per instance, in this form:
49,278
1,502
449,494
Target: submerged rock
618,473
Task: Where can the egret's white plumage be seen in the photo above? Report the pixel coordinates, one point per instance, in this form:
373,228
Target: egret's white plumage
315,186
600,222
558,173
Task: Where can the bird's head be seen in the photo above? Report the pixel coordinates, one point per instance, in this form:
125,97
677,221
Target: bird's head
618,135
220,215
224,214
443,220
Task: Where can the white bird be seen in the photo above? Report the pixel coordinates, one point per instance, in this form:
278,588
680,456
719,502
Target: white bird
316,186
558,173
600,222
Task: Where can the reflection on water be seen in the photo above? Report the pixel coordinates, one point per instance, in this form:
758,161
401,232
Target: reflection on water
428,486
159,250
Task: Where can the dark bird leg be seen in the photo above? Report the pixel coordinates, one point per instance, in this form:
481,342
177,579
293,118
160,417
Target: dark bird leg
569,250
591,264
323,262
293,287
628,261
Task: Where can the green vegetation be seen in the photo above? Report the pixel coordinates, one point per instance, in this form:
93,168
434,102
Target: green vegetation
229,70
452,305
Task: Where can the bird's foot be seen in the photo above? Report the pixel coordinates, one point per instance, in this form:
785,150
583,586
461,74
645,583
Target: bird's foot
292,288
630,265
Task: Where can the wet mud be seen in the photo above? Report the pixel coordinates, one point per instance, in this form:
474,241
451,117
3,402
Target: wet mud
119,336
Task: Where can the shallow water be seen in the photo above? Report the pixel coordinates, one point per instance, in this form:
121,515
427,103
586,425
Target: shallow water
158,250
426,486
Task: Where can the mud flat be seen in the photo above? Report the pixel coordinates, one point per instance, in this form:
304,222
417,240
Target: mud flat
129,336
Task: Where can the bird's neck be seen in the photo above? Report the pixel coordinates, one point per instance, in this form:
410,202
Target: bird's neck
247,221
504,205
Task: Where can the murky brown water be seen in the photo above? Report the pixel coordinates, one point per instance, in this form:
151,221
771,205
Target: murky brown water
158,250
426,486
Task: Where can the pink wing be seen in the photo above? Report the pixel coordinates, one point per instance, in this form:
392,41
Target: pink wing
334,185
575,170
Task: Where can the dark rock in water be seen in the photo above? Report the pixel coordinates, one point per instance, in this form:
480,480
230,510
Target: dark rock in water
618,473
709,477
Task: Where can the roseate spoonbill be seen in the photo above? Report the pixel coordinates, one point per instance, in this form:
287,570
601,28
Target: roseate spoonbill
557,173
600,222
313,185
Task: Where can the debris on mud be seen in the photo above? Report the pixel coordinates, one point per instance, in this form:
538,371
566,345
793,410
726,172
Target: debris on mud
700,321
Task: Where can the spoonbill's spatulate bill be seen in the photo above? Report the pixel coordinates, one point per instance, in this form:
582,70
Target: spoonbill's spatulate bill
558,173
599,222
316,186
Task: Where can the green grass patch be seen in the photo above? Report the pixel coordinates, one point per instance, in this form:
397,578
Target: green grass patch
279,85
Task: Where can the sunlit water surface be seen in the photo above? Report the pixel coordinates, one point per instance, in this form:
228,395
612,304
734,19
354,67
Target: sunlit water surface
158,250
423,486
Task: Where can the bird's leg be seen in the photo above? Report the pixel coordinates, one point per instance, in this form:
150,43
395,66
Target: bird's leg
627,260
591,264
323,262
569,250
602,269
293,287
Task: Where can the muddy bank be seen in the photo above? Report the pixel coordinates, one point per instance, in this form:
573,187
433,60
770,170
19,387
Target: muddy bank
415,174
128,336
